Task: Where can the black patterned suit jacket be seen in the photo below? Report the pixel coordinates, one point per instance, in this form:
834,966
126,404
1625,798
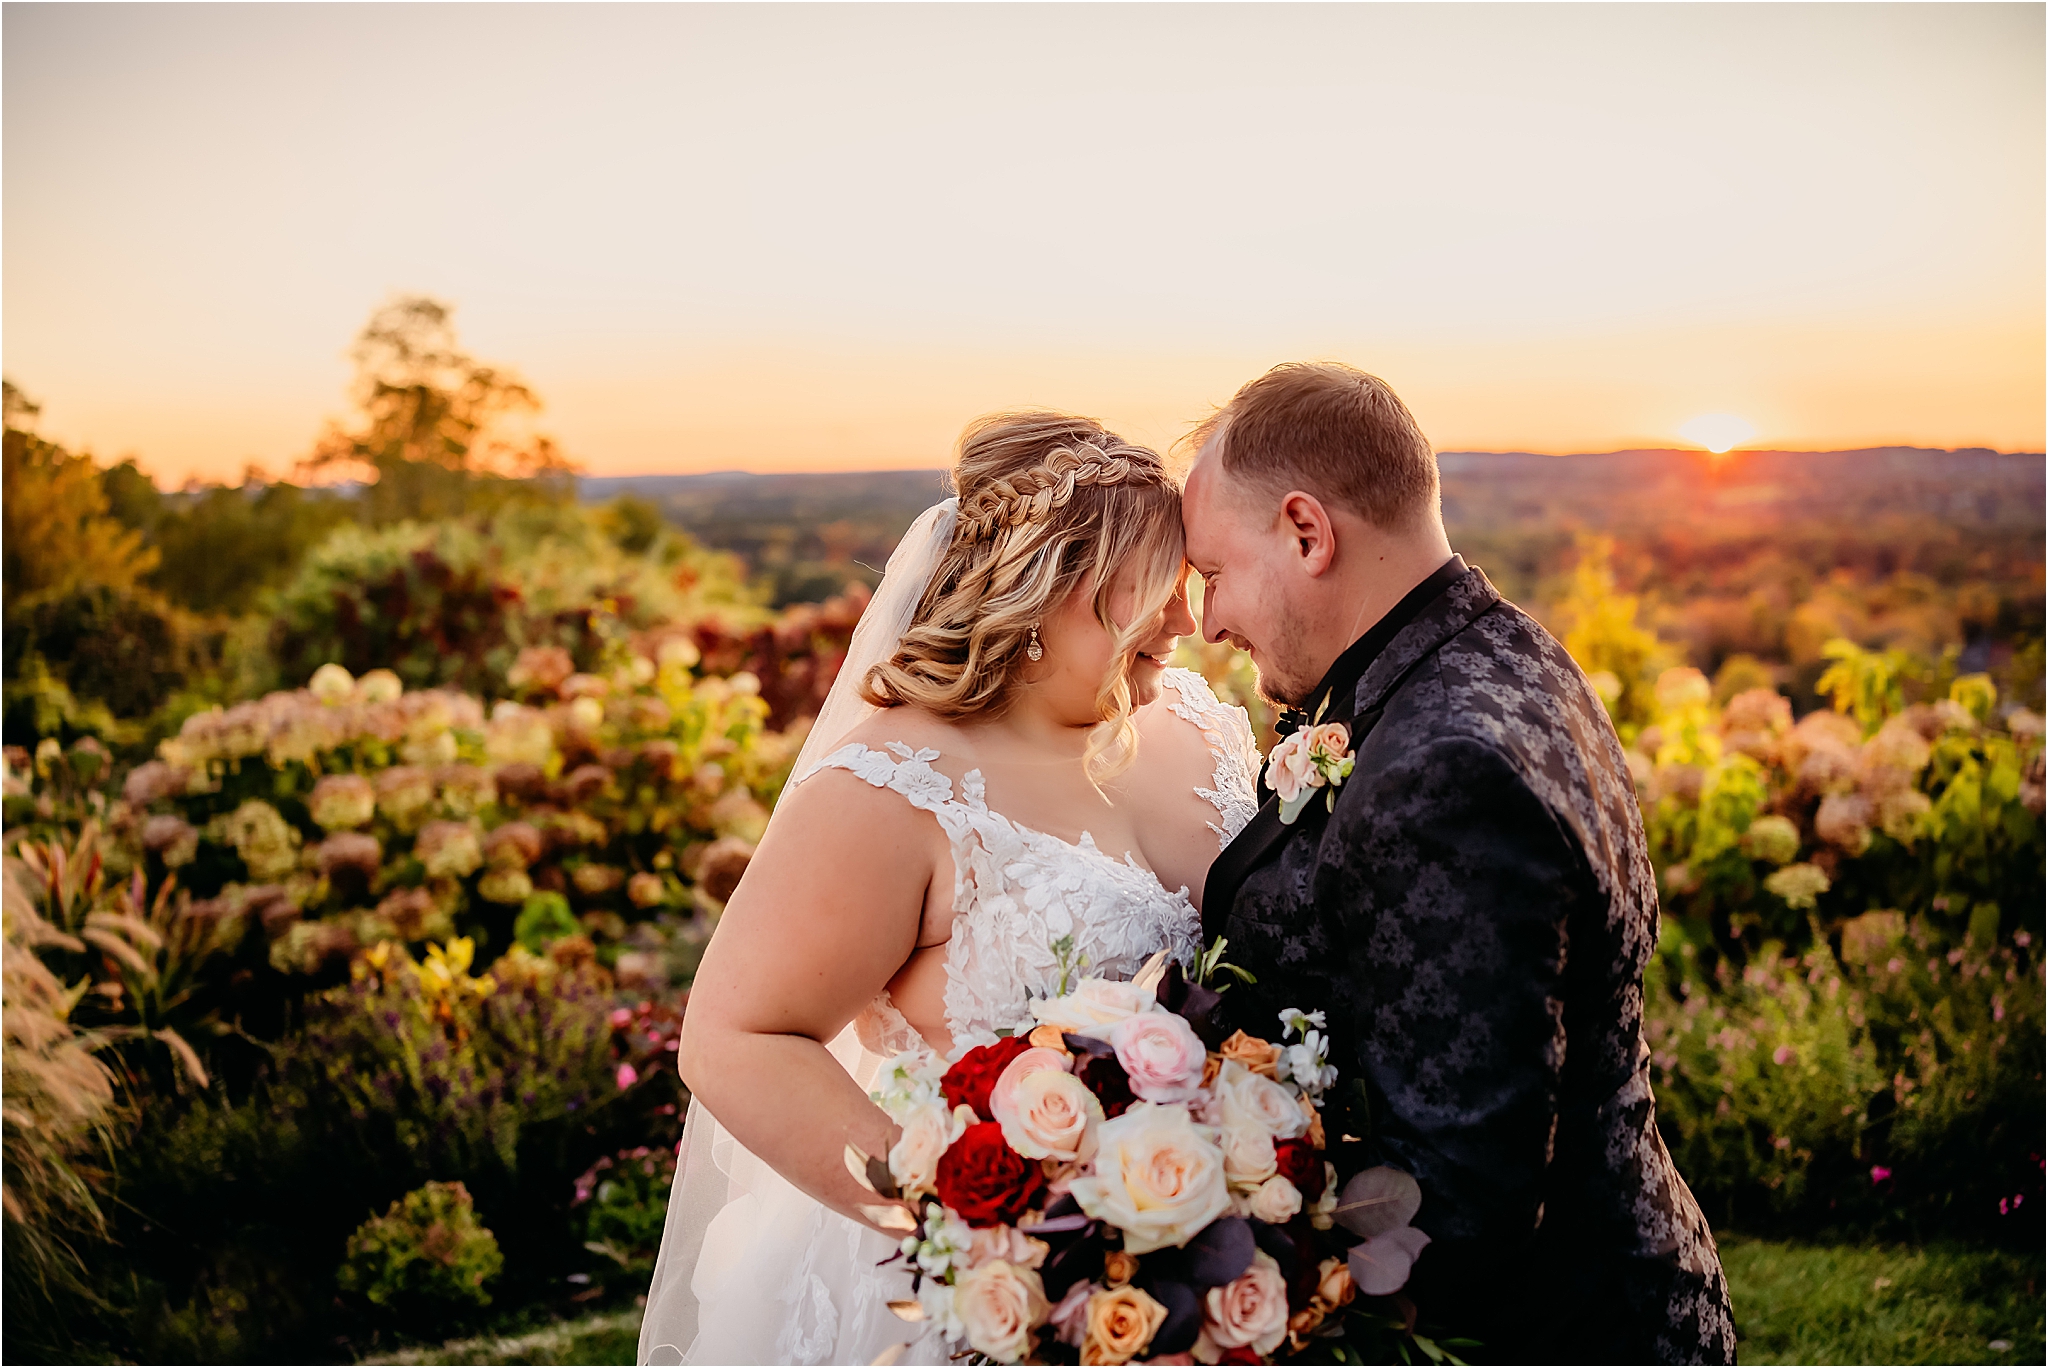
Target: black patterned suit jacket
1474,917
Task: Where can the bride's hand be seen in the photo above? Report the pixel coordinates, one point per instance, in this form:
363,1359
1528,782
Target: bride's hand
828,911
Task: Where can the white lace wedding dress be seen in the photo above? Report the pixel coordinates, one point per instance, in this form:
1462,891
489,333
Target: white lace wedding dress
777,1278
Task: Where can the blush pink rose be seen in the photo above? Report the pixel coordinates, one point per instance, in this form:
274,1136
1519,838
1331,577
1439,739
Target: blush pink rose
1162,1054
1250,1312
1330,738
1003,1092
1289,768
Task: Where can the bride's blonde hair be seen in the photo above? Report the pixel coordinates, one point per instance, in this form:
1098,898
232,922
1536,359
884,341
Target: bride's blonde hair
1048,503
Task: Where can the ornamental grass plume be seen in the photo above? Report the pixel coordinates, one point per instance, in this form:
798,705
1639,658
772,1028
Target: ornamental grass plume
59,1107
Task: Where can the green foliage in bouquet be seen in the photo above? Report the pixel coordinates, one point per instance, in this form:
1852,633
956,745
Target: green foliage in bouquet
427,1255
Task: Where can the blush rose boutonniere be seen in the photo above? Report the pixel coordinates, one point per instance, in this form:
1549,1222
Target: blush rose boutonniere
1317,757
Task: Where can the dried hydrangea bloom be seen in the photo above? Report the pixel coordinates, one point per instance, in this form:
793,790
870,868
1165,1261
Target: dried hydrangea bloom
518,735
1843,820
332,684
465,789
1772,839
515,845
540,669
268,845
1797,884
503,885
342,802
405,794
448,849
595,880
147,783
172,839
349,852
1681,688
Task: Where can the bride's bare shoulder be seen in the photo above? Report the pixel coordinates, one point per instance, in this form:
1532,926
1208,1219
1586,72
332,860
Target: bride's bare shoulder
904,726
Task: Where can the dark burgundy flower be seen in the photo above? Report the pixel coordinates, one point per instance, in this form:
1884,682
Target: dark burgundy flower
1302,1165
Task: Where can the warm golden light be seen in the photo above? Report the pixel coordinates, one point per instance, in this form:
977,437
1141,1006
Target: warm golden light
1717,432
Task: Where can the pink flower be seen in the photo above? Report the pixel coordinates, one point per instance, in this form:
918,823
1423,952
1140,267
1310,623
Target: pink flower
628,1076
1290,768
621,1018
1069,1320
1878,1173
1026,1062
1162,1054
1784,1055
1250,1312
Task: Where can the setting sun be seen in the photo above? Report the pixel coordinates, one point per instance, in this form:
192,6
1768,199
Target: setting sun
1717,432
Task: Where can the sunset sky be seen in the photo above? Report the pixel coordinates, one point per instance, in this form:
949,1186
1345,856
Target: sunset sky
790,237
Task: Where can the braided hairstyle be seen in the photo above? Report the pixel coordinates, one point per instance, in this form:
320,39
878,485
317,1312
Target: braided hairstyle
1048,503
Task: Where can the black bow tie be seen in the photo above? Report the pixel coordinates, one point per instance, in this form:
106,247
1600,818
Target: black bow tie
1290,721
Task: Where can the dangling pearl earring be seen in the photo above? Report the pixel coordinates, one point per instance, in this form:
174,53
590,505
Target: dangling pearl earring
1035,650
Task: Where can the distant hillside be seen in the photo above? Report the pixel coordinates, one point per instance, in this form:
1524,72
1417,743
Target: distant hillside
810,533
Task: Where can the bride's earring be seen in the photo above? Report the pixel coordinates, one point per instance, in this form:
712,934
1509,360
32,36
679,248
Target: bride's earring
1034,649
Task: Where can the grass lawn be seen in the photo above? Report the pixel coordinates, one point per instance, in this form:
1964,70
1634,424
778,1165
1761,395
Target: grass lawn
1798,1303
1794,1303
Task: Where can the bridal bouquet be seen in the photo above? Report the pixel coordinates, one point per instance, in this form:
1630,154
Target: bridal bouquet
1102,1186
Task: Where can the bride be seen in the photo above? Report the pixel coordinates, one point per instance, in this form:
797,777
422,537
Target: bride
1005,761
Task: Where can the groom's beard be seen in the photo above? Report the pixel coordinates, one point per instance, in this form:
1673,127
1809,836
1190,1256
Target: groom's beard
1280,681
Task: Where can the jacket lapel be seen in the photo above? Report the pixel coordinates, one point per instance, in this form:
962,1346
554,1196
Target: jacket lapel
1450,613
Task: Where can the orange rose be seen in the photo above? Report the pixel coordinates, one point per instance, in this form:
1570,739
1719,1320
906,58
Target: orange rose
1301,1325
1119,1266
1120,1324
1261,1057
1334,1287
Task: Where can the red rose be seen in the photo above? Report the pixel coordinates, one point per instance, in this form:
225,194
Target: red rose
969,1081
1302,1165
985,1180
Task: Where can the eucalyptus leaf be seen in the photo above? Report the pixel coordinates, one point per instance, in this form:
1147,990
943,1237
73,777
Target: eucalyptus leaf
1381,1265
1377,1201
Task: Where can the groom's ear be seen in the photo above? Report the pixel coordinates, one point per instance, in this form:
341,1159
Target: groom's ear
1308,526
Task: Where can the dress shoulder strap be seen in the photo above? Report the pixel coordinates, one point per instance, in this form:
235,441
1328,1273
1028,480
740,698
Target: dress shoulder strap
910,773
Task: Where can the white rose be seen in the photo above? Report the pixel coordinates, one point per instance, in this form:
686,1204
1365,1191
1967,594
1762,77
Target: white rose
1157,1178
1290,768
1240,1093
1277,1201
999,1307
1094,1007
928,1129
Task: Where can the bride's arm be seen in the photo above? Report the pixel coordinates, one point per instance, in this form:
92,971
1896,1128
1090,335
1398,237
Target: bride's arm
826,914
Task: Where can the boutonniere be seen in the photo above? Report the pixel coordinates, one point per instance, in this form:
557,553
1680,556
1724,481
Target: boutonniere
1316,757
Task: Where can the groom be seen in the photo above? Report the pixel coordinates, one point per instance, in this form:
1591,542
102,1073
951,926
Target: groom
1475,914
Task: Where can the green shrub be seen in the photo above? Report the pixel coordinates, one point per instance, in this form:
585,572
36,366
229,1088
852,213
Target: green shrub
1900,1092
544,917
427,1254
621,1207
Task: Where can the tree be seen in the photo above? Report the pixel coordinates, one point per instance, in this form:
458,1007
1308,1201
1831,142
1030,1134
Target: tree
441,434
59,534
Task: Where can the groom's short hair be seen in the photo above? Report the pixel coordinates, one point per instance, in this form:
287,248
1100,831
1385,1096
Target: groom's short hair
1332,431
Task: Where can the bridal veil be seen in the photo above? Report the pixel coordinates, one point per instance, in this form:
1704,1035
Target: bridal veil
736,1229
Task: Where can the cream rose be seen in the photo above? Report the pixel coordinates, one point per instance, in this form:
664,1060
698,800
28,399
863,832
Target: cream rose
1251,1311
1157,1178
1000,1307
1239,1094
1277,1201
1120,1324
928,1129
1162,1054
1331,738
1249,1158
1095,1006
1048,1114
